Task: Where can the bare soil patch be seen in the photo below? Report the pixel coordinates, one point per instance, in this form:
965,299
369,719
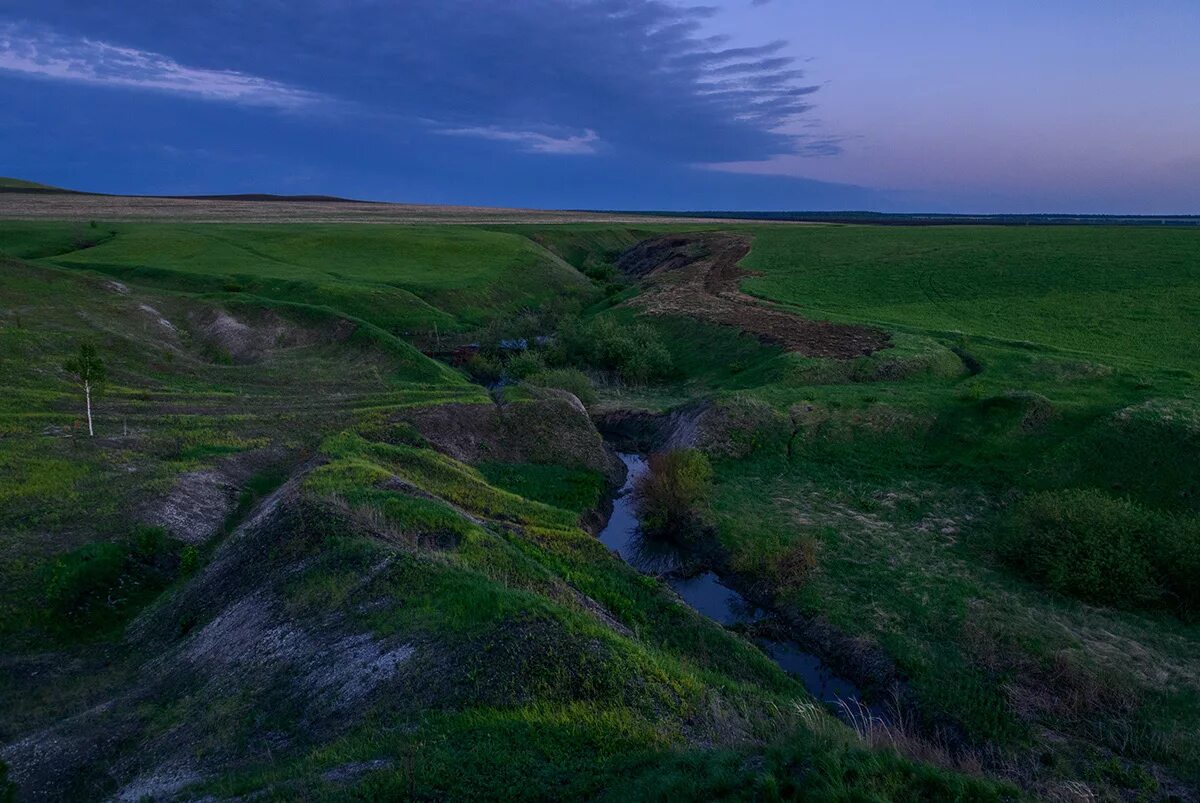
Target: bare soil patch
202,501
697,276
549,430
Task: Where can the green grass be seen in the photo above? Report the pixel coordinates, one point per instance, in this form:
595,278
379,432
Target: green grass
1125,296
579,752
402,278
570,489
1025,363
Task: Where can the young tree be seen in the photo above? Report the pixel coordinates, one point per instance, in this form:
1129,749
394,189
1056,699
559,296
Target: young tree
88,369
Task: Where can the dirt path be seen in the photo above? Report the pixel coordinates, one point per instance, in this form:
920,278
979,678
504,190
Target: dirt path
697,276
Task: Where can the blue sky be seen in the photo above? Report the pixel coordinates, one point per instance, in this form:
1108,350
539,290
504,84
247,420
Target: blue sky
631,104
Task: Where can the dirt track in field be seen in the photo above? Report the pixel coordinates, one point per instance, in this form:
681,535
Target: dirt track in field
697,276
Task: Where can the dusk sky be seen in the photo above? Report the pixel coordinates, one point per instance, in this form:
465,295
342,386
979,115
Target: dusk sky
1089,106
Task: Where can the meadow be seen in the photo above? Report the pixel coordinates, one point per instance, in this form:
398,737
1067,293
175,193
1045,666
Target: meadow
286,392
1120,296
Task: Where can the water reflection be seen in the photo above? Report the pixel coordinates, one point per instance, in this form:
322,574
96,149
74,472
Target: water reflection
707,595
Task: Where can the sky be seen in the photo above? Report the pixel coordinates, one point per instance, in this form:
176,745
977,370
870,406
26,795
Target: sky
1083,106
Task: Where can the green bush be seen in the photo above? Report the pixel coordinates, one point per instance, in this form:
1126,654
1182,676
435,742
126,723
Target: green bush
632,351
189,561
524,364
569,379
1177,556
1106,550
673,491
484,368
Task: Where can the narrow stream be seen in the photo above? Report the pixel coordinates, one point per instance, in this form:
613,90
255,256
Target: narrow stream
707,595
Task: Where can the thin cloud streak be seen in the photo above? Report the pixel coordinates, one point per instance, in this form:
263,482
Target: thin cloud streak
533,141
44,54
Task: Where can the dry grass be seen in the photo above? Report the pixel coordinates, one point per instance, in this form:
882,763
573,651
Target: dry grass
116,208
899,732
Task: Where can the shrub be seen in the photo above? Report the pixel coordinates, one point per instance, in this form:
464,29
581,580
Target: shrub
569,379
670,495
523,325
632,351
1176,553
189,561
792,567
602,272
1087,544
524,364
484,368
1150,452
149,542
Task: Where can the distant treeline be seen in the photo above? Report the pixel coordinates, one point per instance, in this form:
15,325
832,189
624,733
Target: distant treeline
896,219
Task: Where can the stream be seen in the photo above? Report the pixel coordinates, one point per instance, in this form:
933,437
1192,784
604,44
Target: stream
709,596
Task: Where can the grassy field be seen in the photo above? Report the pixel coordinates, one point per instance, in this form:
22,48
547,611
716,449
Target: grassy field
402,278
373,506
1120,296
1024,361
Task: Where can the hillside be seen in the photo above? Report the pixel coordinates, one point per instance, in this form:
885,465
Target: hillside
347,526
35,202
17,184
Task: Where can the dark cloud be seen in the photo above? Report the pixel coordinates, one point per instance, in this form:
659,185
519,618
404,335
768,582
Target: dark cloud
552,77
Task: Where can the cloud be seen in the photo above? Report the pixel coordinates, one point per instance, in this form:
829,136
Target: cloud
533,141
647,77
41,53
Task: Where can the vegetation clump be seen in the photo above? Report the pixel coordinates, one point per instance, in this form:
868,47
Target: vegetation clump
1106,550
792,567
634,352
569,379
100,583
672,493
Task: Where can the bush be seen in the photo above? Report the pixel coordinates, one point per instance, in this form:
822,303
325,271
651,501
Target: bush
523,325
602,272
484,368
1176,553
1150,452
632,351
670,495
189,561
791,568
524,364
1092,546
569,379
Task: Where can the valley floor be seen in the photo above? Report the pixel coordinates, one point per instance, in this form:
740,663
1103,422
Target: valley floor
335,535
